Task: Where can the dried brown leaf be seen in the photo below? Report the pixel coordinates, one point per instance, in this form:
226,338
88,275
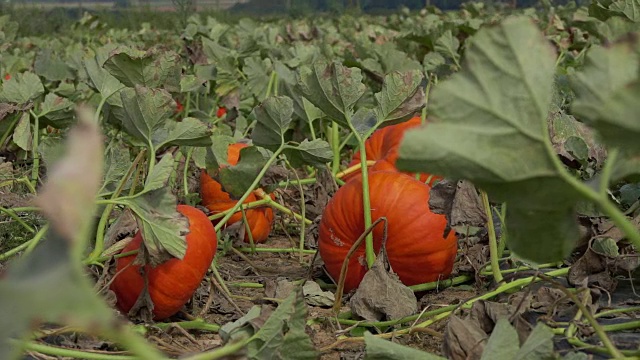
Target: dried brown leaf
381,295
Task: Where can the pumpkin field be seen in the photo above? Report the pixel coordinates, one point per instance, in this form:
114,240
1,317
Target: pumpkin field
415,185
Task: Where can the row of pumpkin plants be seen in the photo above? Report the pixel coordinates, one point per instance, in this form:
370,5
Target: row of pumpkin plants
418,247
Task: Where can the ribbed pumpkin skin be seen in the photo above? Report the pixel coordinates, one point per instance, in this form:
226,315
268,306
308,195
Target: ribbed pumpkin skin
417,251
383,147
217,200
172,283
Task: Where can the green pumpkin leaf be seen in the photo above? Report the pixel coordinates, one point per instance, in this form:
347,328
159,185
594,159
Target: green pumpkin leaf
57,111
21,88
606,93
117,163
163,227
489,125
283,334
236,180
191,83
188,132
315,152
539,344
380,349
402,95
149,69
160,174
101,80
51,67
148,119
503,343
22,133
258,72
273,118
333,88
448,45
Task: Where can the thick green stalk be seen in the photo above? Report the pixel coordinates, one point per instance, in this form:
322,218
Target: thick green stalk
394,322
441,284
36,239
222,352
71,353
272,79
297,182
35,170
335,147
197,324
366,200
503,236
493,241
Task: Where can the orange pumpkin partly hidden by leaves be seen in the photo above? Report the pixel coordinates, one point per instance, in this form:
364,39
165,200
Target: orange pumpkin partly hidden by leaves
417,250
172,283
214,198
383,147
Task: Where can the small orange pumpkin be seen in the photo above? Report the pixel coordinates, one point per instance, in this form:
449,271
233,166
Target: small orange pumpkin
417,250
172,283
214,198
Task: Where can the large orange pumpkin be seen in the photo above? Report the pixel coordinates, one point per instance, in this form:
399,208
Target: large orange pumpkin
217,200
383,147
172,283
417,251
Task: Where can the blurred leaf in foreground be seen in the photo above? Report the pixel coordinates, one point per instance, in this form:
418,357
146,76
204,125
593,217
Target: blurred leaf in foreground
489,125
49,284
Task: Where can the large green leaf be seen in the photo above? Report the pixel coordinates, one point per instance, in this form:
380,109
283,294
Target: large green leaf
21,88
163,227
258,72
117,163
539,344
237,179
273,118
148,118
22,133
153,69
160,174
51,67
503,343
607,89
283,335
105,83
56,111
333,88
379,349
315,152
489,126
402,95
